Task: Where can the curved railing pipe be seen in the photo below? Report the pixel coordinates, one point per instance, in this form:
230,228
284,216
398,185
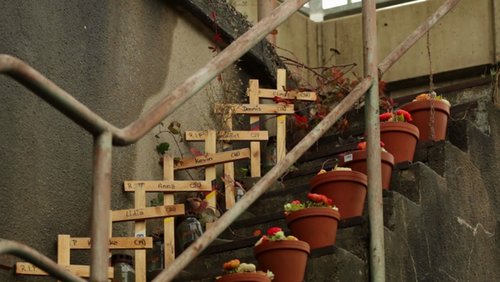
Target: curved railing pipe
8,247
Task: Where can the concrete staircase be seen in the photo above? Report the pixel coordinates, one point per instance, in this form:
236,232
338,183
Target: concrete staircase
441,216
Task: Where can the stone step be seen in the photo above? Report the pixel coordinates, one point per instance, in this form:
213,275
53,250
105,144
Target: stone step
325,264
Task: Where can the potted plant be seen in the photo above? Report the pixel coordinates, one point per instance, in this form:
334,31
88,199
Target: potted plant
346,186
399,135
314,221
430,114
356,160
243,272
285,256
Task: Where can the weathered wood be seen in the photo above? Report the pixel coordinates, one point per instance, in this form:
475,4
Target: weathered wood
168,186
213,159
115,243
26,268
281,121
63,249
229,135
210,171
249,109
289,95
169,222
138,214
253,96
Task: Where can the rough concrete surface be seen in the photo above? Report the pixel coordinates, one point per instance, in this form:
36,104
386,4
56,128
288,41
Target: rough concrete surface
451,233
113,56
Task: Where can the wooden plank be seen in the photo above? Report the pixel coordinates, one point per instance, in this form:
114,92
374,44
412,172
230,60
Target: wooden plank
229,195
63,249
281,120
210,171
168,186
213,159
261,109
115,243
254,146
26,268
138,214
289,95
139,227
238,135
169,222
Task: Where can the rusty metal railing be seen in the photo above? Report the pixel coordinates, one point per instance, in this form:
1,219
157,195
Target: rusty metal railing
106,135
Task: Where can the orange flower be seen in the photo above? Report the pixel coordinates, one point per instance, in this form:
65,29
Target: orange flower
232,264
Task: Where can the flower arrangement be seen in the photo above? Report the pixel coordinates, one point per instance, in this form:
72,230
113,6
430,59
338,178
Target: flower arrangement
362,146
275,234
235,266
336,168
398,115
431,96
315,201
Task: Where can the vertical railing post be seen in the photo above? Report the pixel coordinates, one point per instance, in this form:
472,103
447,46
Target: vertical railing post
101,206
372,131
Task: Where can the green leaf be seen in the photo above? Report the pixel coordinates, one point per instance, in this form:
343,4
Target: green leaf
162,148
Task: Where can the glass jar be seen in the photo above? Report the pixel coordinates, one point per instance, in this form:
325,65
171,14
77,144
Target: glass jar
156,254
123,268
188,231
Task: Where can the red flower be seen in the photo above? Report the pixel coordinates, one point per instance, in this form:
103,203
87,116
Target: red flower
273,230
329,202
405,114
296,202
317,198
385,116
300,121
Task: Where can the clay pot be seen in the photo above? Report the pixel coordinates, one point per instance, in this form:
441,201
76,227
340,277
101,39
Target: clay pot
316,226
347,189
400,139
421,115
287,259
357,162
244,277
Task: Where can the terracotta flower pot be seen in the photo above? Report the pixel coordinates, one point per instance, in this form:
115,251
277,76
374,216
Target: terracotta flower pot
421,115
357,162
244,277
287,259
316,226
347,189
400,139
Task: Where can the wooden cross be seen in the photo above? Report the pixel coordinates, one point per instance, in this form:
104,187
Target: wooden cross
227,136
213,159
282,93
168,187
65,244
139,214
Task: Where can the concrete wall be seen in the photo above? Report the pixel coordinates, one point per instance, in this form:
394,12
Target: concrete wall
463,38
116,57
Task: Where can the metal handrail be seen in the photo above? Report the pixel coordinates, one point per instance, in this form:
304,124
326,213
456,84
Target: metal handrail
38,259
107,135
